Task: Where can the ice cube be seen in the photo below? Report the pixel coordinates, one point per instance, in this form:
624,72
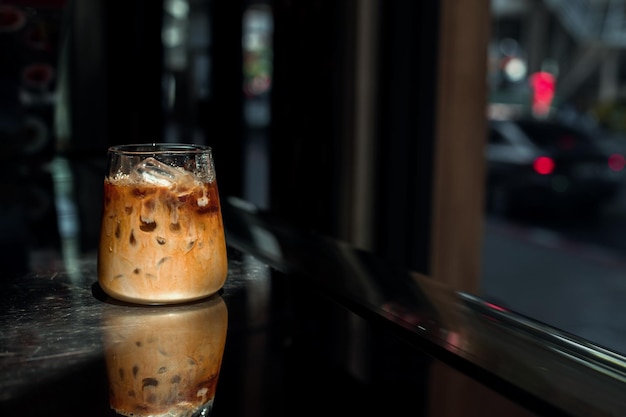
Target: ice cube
204,167
155,172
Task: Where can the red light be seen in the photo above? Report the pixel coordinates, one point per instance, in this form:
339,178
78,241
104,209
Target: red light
543,85
617,162
543,165
495,306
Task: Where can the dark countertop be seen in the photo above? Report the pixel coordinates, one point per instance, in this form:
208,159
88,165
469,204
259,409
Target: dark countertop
313,325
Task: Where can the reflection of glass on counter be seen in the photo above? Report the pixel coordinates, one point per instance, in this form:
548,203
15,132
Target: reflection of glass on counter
165,360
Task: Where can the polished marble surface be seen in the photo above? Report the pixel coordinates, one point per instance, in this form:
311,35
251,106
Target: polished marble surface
313,325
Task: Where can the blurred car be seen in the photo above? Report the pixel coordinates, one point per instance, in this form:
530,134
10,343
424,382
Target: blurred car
548,165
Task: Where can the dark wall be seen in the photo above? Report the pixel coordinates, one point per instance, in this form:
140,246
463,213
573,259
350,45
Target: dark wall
313,50
221,116
406,139
113,63
306,112
135,67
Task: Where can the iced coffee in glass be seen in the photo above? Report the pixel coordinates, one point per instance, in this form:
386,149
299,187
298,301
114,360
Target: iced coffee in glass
162,236
164,360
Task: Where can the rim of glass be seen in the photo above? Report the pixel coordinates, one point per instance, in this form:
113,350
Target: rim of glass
159,148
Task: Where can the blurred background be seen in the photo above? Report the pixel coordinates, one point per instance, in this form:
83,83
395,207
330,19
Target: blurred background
328,114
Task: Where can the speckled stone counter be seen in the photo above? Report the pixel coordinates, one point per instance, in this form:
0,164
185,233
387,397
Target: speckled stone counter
312,325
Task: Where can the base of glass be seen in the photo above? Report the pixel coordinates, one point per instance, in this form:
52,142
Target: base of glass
178,410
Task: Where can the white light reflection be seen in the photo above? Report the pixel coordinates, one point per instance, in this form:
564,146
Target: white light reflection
67,214
177,8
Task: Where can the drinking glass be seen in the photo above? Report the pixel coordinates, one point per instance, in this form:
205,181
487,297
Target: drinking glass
162,236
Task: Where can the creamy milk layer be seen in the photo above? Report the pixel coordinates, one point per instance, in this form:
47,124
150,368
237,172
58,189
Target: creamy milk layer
161,244
164,363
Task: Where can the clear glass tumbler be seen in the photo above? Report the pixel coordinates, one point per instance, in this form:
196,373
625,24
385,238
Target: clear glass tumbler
162,237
